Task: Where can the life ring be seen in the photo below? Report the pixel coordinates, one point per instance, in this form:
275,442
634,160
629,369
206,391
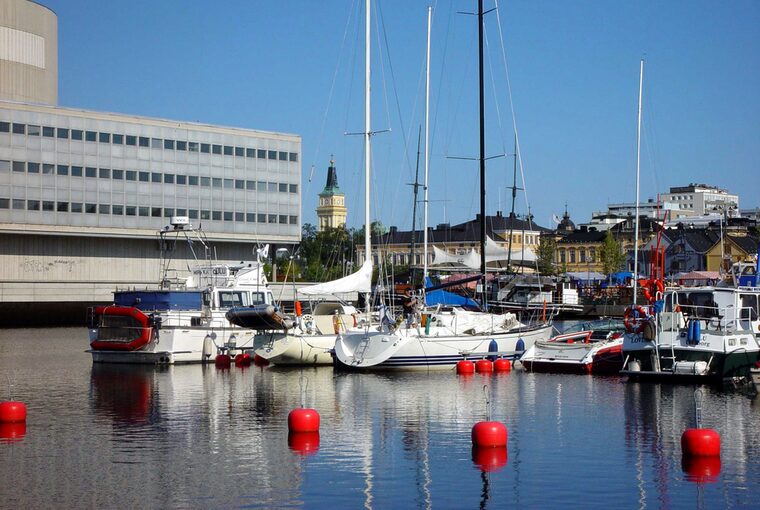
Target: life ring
635,319
650,288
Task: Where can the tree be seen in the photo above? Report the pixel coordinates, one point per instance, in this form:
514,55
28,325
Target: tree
546,249
323,255
611,254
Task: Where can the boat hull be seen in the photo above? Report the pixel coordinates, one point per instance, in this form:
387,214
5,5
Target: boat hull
589,359
404,350
295,349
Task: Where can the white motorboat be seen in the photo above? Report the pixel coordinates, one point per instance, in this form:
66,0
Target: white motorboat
181,320
588,348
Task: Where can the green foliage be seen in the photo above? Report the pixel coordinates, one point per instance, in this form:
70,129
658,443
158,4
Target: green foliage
611,254
324,255
546,249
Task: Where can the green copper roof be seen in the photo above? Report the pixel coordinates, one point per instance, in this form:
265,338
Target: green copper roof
331,187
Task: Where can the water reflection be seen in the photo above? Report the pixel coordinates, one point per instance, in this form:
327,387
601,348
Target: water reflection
122,393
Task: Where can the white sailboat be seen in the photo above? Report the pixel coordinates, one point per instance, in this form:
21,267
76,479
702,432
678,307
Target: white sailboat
310,339
448,334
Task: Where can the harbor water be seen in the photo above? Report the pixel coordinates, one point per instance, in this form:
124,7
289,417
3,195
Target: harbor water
104,436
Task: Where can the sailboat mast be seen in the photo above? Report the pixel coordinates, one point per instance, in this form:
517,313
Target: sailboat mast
427,149
367,132
482,155
638,168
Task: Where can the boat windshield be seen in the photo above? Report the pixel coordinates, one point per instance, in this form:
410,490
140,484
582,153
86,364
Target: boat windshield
694,303
601,325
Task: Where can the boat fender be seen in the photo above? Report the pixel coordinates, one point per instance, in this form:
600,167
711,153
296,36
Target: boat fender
520,345
493,346
298,309
649,331
697,332
336,323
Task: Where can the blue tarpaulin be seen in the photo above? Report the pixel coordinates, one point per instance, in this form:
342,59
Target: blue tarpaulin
157,300
444,297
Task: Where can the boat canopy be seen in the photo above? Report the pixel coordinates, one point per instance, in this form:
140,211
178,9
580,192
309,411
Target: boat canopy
360,281
496,256
158,300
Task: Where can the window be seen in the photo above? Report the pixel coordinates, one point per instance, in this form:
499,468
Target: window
48,168
117,209
205,181
272,187
144,176
62,207
206,148
48,131
193,214
294,220
130,210
76,171
293,188
272,218
261,154
76,207
192,180
250,217
144,211
293,157
283,188
169,144
181,212
155,177
168,178
582,255
283,219
18,203
572,256
104,209
192,146
227,215
228,150
562,256
77,134
90,136
104,173
283,156
181,146
229,183
250,185
216,182
261,185
272,155
5,127
168,212
250,153
155,212
32,130
19,129
261,218
131,140
33,168
48,205
239,151
181,179
155,143
33,205
229,299
239,184
63,170
117,174
90,208
144,142
62,133
118,139
239,216
205,215
216,149
216,215
131,175
5,165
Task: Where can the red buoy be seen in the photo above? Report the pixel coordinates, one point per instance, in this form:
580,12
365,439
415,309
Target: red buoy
465,367
489,460
502,365
304,443
701,469
247,359
489,434
303,420
243,360
259,361
484,366
700,443
12,432
223,361
12,411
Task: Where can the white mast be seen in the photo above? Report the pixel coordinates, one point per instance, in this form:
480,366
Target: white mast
638,168
427,148
367,133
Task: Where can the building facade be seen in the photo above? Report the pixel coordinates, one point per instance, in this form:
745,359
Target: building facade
701,199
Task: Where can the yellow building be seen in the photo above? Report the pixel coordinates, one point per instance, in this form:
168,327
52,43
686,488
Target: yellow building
331,212
733,248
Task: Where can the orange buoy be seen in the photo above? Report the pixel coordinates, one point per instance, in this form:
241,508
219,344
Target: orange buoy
484,366
489,460
223,361
465,367
700,443
260,361
489,434
12,432
304,443
12,411
701,469
298,309
303,420
502,365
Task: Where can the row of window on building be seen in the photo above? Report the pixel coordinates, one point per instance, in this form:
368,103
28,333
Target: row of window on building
146,176
144,141
568,255
146,211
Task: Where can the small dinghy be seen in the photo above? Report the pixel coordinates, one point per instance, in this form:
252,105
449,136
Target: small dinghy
261,317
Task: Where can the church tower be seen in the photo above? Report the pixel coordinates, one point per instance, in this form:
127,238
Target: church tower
331,211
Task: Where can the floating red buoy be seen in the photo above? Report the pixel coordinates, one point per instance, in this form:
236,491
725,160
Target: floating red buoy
304,443
12,432
303,420
502,365
12,412
484,366
223,361
700,443
489,460
259,361
243,360
465,367
701,469
489,434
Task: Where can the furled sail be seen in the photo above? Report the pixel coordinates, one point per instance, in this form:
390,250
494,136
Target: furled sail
360,281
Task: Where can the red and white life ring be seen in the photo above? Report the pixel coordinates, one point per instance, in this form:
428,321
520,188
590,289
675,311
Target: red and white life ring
650,288
635,319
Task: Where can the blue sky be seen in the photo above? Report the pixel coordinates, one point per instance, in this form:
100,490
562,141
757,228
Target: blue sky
573,69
